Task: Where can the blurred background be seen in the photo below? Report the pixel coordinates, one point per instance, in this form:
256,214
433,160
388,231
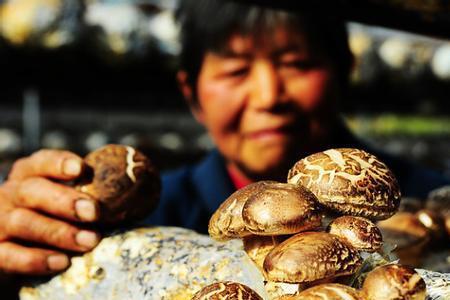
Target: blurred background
79,74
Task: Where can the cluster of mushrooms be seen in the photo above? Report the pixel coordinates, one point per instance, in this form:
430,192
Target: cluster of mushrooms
307,236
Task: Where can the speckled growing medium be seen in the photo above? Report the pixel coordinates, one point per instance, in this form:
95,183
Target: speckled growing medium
150,263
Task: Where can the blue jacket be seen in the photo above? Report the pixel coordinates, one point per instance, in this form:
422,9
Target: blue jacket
191,194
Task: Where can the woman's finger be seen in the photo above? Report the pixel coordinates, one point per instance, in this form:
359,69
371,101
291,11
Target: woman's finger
28,225
57,164
56,199
18,259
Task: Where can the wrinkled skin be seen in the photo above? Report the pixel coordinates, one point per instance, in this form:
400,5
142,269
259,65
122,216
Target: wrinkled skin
265,102
41,219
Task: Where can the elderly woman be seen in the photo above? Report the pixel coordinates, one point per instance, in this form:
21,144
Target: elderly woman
266,84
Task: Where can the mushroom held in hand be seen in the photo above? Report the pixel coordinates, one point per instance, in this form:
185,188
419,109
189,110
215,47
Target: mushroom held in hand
359,232
281,208
311,256
226,290
349,181
123,180
327,291
394,282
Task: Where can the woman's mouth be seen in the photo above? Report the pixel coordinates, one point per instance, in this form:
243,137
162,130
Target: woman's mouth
269,134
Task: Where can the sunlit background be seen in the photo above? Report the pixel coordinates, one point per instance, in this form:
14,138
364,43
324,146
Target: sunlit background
80,74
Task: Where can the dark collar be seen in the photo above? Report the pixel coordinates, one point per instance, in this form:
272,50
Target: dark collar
213,182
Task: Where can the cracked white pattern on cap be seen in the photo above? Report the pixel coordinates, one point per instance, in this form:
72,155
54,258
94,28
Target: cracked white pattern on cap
349,181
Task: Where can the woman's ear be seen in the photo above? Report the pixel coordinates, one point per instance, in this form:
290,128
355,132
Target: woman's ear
188,92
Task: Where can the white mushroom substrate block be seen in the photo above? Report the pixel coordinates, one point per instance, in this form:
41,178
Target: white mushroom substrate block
166,263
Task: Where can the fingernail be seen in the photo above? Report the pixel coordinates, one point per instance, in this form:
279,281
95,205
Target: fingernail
72,167
86,210
57,262
87,239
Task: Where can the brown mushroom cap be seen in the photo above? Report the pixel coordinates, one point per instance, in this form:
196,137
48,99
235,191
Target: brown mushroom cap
394,281
123,180
310,256
349,181
439,201
409,235
226,290
257,247
327,291
226,223
434,222
359,232
281,208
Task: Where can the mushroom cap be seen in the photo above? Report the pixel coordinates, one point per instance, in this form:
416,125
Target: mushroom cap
226,222
359,232
123,180
434,222
310,256
327,291
257,247
226,290
349,181
403,229
438,200
394,281
407,232
281,208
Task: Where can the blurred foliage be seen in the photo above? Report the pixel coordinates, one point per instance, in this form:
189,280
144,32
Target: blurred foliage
390,124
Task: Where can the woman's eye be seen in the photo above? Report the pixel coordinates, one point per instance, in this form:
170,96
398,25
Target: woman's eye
297,64
237,72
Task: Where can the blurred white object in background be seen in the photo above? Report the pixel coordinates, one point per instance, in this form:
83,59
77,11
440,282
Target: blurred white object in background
51,23
395,52
440,63
163,27
360,42
362,45
171,141
10,142
55,139
204,142
96,140
123,26
131,139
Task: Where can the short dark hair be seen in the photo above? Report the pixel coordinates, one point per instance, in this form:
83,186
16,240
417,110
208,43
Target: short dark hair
207,25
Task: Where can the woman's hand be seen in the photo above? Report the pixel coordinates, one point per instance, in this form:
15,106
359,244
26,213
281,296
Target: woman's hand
41,218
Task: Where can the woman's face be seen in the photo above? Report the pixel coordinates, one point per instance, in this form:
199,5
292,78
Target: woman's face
266,103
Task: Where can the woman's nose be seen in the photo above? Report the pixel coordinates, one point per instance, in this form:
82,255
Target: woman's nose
265,86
